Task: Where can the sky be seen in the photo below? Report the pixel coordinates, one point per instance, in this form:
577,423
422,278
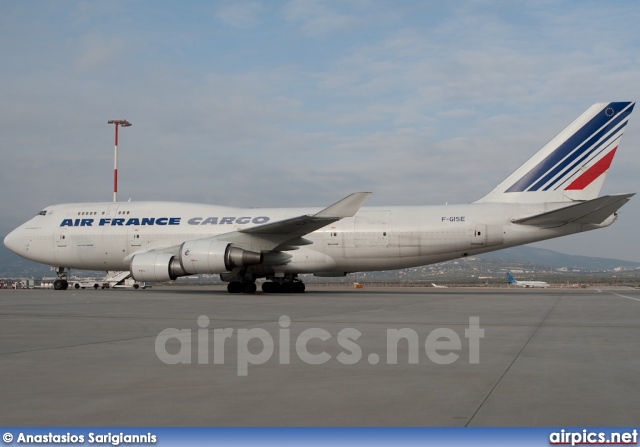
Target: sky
301,102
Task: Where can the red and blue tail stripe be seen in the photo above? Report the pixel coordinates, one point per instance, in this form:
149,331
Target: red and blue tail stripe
593,145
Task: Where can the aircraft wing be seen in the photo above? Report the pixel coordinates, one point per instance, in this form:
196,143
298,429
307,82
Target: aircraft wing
590,212
287,234
282,235
302,225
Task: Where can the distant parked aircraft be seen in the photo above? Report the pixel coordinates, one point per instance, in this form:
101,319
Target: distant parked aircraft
515,282
438,287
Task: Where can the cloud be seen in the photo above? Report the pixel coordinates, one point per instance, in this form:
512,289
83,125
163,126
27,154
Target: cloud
239,14
315,18
96,52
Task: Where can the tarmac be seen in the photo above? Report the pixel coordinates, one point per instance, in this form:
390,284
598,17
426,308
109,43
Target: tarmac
471,357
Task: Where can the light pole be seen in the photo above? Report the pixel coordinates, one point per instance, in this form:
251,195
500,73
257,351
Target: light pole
123,123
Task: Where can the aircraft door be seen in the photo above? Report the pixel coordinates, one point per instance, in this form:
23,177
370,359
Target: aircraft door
334,236
134,238
61,237
478,234
372,228
112,210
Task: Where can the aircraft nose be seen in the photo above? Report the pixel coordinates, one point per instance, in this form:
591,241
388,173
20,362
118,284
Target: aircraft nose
12,241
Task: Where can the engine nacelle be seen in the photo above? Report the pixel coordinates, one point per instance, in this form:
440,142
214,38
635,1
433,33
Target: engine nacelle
210,256
199,256
155,267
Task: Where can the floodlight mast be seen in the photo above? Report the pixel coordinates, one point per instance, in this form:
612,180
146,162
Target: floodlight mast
122,123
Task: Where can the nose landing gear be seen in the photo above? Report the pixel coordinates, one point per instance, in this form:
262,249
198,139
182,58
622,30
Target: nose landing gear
61,283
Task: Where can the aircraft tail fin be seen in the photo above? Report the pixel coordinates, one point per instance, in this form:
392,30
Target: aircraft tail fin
511,279
572,166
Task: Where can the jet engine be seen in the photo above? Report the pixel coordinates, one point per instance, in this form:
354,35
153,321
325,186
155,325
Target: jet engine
198,256
207,256
155,267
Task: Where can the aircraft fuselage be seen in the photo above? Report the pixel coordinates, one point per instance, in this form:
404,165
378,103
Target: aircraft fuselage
105,236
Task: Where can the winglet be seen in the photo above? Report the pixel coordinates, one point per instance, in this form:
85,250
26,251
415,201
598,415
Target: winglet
346,207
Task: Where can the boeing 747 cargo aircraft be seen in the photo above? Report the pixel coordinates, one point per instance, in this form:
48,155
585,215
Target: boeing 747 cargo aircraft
553,194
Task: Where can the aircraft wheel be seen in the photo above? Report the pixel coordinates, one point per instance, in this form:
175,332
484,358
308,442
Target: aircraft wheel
298,287
248,287
286,287
77,286
96,286
58,285
65,285
136,286
234,287
270,287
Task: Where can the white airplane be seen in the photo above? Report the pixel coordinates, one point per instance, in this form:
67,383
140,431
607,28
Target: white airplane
553,194
515,282
438,287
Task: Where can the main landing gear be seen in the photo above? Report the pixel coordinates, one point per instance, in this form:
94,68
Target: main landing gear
241,287
61,283
288,284
295,286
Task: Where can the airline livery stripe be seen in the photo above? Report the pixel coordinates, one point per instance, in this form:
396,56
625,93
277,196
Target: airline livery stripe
581,163
581,154
557,155
593,172
581,151
577,142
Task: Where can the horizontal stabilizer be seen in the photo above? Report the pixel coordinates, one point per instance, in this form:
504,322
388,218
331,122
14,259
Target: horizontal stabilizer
590,212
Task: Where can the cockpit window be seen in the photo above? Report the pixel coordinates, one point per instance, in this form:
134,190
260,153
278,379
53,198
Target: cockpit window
42,213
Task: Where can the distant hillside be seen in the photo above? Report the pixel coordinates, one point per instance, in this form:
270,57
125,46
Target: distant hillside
13,266
554,259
